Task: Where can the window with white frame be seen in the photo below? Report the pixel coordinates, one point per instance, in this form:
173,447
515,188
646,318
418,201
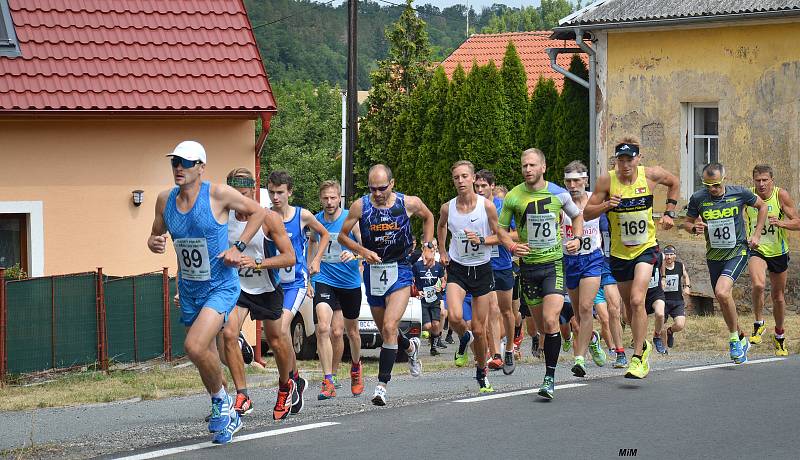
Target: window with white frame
702,143
8,39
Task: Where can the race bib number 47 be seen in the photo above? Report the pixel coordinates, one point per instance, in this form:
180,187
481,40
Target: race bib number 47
193,259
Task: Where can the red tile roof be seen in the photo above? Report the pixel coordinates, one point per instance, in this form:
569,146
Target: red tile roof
530,46
134,55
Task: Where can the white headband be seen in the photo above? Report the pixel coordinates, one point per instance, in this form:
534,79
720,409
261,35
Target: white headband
575,175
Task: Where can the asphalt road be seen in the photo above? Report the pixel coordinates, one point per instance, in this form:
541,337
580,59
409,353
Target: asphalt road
716,412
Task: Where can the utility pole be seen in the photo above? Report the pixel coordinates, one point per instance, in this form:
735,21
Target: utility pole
467,18
352,94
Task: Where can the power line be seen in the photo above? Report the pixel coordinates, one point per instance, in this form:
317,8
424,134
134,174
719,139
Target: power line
316,5
418,11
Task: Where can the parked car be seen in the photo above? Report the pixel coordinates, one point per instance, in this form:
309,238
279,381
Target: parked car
304,341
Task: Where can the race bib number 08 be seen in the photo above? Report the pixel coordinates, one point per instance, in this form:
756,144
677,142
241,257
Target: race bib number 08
193,259
382,277
542,230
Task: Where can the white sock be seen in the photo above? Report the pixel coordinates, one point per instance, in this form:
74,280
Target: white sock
221,394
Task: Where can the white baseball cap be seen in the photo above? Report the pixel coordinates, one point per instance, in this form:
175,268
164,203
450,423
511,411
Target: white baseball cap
189,150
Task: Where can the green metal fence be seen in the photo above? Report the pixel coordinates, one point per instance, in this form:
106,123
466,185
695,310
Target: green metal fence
87,318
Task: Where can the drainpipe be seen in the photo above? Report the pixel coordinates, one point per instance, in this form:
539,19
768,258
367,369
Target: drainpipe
591,85
262,139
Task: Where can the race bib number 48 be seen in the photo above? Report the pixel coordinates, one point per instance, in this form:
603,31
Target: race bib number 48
722,233
193,259
382,277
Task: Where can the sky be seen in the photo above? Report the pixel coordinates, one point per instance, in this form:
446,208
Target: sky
477,5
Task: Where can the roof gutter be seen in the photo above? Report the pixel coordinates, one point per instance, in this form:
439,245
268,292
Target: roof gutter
565,32
591,85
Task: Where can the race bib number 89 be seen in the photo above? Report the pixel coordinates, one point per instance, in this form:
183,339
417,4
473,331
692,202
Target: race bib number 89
193,259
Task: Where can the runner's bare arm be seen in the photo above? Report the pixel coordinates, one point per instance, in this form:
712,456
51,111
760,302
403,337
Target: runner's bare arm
659,175
311,222
763,209
274,228
441,233
232,200
597,203
497,237
789,210
157,241
687,282
415,207
344,239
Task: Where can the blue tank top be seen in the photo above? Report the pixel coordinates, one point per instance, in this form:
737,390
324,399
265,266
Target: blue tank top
502,261
386,231
293,277
198,239
333,273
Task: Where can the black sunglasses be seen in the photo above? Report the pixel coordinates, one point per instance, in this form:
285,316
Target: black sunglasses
382,188
185,164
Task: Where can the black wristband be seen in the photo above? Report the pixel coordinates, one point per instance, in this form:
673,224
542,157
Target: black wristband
671,201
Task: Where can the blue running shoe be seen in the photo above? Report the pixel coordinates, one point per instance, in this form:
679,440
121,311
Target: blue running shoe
621,361
659,344
745,346
548,388
220,414
225,436
736,351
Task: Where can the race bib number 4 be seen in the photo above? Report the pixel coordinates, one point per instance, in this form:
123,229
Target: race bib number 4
469,251
430,294
542,230
193,259
671,283
722,233
382,277
333,252
633,227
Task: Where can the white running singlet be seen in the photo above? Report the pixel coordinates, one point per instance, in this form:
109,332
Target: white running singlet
251,281
461,250
591,240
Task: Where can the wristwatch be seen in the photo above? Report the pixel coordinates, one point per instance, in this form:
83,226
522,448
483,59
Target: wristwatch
482,240
428,244
258,261
670,214
239,245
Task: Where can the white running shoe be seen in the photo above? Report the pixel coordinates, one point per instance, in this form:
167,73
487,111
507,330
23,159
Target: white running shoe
414,365
379,397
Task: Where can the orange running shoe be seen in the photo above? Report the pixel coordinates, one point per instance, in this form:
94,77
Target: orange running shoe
356,383
495,363
328,391
518,339
284,403
243,404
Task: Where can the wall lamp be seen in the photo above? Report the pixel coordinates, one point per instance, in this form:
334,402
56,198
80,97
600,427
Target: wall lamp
138,197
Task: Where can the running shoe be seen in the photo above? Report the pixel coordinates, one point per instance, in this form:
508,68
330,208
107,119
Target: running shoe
425,335
780,346
225,436
566,345
483,383
659,344
535,350
439,343
758,331
461,357
298,398
735,347
598,354
611,354
327,391
495,363
283,405
508,363
744,345
379,397
414,364
670,337
243,404
247,350
336,383
621,361
518,339
220,414
636,369
579,369
548,388
434,351
449,338
356,383
646,348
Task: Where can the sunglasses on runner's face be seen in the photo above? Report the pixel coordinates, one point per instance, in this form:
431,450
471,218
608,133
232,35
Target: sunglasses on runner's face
185,164
713,184
382,188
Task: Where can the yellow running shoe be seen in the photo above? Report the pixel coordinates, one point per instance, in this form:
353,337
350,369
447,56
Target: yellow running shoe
635,369
780,346
758,331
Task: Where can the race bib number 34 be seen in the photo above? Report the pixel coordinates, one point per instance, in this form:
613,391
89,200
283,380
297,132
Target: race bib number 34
542,230
382,277
193,259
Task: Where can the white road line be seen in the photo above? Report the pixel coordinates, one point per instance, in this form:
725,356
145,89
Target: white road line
206,445
715,366
517,393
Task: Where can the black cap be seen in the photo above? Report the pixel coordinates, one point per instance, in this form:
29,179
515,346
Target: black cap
626,149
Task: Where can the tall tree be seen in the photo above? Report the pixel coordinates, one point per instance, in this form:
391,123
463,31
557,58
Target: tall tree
407,66
540,120
453,132
572,118
433,187
515,87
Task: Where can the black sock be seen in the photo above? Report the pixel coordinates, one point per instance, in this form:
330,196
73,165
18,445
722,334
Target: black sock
446,324
462,344
242,391
402,341
517,330
433,340
552,347
387,358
